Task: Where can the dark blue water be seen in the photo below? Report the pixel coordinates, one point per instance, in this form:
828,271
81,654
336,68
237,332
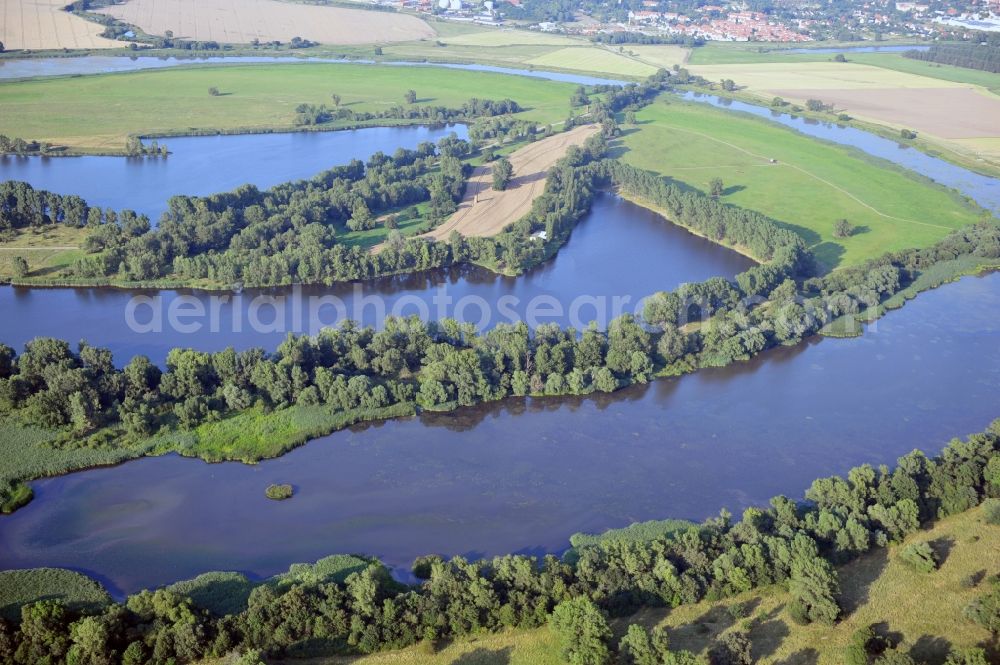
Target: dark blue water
200,165
583,282
522,476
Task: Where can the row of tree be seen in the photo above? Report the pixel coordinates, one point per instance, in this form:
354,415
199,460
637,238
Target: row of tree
984,56
787,543
289,233
316,114
441,365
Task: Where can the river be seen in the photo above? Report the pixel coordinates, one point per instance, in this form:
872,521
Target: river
523,475
587,271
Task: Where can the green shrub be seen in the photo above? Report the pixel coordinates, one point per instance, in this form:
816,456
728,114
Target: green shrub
279,492
920,557
991,511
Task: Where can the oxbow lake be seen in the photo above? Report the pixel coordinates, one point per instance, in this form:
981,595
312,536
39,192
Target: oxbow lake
201,165
523,475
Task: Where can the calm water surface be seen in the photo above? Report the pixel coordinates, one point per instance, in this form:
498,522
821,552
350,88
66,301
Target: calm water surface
200,165
618,250
523,476
97,64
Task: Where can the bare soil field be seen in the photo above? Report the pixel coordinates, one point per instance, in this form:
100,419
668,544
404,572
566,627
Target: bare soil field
485,212
949,113
242,21
42,24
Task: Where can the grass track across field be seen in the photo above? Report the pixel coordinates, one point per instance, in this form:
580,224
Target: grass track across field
811,185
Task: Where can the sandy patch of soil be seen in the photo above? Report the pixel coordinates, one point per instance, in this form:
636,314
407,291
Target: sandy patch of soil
485,212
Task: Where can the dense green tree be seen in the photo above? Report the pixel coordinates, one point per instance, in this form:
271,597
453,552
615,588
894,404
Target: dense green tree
502,173
583,632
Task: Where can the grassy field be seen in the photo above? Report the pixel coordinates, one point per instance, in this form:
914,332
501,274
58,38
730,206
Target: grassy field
253,435
30,452
659,55
46,251
811,185
722,53
98,112
595,59
817,75
897,62
922,611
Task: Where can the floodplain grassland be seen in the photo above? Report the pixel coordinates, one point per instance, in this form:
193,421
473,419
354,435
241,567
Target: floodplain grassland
530,50
809,186
595,59
99,112
875,589
898,62
249,436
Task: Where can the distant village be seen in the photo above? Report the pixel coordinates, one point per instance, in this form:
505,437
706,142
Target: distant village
736,22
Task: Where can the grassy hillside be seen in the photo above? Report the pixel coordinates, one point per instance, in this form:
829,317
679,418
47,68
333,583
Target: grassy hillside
98,112
810,186
922,611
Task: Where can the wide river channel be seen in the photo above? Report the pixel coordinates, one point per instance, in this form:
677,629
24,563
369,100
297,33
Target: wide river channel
517,476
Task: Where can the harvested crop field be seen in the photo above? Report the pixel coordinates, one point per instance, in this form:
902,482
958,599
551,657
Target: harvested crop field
485,212
242,21
42,24
949,113
816,76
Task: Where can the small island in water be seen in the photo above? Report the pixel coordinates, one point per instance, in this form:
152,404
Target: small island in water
279,492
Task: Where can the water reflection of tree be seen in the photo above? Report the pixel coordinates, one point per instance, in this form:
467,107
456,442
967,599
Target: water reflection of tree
464,419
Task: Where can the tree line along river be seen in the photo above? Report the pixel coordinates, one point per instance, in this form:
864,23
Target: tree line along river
520,475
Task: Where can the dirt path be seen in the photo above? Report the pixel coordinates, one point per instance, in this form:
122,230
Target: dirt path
485,212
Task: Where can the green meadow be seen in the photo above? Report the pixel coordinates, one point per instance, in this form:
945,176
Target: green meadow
99,112
801,182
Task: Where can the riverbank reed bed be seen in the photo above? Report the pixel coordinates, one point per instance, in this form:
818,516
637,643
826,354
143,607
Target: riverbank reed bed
75,591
